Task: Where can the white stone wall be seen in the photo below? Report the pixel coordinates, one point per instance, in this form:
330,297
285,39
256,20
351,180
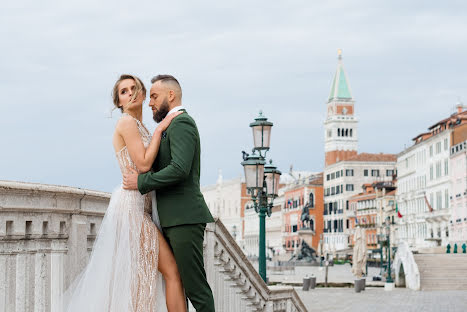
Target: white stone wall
339,240
423,170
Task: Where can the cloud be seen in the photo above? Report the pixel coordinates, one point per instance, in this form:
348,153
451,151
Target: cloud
405,62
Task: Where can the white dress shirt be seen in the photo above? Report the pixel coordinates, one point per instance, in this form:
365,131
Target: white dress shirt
175,109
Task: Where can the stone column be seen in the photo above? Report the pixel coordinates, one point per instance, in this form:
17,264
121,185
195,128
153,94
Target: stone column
3,281
21,282
56,281
77,247
40,283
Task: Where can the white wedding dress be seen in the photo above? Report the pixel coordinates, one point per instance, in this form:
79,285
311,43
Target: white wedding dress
122,272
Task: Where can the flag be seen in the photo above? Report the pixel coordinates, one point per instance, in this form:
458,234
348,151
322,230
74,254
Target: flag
428,204
399,215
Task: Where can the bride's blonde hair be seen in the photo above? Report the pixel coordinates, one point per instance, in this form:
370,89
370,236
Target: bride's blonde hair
139,88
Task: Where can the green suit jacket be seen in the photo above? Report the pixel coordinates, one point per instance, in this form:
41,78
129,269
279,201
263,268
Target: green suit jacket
175,176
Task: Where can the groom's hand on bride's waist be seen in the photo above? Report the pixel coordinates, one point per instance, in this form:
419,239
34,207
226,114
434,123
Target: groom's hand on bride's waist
130,179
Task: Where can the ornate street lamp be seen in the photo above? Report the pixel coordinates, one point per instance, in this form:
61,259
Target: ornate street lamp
262,181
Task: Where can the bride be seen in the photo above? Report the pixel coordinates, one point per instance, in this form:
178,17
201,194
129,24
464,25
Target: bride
130,255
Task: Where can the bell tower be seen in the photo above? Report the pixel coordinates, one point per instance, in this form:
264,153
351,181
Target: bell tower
340,126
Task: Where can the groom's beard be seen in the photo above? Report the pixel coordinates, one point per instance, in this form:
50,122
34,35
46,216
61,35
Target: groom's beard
162,111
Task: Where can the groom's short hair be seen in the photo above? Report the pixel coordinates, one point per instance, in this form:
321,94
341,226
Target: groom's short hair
169,80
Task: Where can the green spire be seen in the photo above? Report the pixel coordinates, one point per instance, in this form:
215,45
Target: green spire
340,87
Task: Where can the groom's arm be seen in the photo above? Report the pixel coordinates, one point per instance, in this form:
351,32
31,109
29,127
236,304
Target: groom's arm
183,135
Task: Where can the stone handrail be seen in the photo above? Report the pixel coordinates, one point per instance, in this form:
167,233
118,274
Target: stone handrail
236,284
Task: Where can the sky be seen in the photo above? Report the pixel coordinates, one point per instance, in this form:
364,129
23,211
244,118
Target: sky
405,60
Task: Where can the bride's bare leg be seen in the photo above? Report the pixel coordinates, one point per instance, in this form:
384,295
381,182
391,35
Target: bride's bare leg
173,284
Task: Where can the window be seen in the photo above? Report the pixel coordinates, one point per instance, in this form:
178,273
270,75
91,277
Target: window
439,200
338,174
438,147
438,169
375,173
349,172
294,228
389,173
350,132
329,133
446,144
327,177
446,167
333,190
446,198
333,176
365,172
431,172
349,187
338,132
431,150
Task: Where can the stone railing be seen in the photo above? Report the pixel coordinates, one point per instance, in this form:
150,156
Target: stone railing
236,284
47,233
46,236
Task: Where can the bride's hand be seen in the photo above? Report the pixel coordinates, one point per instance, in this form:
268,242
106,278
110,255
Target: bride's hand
165,123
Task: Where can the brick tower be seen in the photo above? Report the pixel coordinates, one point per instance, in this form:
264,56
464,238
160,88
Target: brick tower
340,137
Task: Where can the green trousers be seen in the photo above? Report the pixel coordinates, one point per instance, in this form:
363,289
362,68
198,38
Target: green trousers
186,242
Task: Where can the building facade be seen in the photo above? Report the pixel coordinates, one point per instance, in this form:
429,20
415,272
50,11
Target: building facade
458,161
372,208
343,180
227,201
305,191
424,186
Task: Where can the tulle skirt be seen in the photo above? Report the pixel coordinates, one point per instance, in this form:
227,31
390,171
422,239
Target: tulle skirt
122,273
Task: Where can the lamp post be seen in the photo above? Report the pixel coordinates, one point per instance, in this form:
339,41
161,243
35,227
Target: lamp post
388,229
262,181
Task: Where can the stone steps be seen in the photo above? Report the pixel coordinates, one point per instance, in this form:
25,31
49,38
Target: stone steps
442,271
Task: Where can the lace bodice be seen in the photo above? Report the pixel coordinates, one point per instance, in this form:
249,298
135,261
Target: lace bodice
123,156
124,159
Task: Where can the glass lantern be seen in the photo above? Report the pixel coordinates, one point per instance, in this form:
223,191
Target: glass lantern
272,179
261,132
254,171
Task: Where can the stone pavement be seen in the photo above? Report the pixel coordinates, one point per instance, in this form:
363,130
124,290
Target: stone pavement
377,299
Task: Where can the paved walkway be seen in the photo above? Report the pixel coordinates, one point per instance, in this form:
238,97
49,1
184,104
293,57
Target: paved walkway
376,299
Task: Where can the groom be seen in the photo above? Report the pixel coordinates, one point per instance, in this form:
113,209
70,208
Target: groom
183,212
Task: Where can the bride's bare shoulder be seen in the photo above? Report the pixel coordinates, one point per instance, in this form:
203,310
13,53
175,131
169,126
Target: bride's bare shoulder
126,123
125,127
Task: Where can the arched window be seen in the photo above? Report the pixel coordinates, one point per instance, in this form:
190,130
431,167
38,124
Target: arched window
346,132
339,132
312,200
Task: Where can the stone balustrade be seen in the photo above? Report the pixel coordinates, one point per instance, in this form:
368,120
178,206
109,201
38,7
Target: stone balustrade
236,284
47,233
